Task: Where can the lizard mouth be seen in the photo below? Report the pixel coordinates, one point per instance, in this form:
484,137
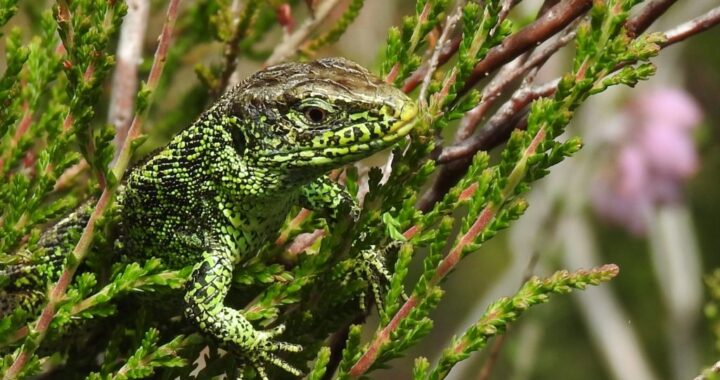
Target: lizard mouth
406,121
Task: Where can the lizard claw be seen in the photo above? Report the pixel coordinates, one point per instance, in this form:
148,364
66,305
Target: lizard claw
263,352
355,212
269,345
370,267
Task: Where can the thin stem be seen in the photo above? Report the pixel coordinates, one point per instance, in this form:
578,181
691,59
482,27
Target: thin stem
499,342
232,48
451,47
646,16
152,82
292,43
304,241
550,23
21,129
505,78
125,77
412,45
495,131
692,27
450,23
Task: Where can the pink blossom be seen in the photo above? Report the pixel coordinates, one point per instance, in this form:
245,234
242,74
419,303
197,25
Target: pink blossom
670,105
654,160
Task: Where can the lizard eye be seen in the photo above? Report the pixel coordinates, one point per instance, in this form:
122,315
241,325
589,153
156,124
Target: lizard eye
315,115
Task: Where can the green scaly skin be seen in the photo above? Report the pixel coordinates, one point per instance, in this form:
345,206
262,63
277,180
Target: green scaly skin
223,186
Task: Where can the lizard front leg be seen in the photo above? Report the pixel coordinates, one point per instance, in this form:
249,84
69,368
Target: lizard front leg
204,305
329,198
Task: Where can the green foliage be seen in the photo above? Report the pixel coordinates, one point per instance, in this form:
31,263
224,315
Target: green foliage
332,35
404,43
149,357
49,123
712,312
85,37
505,311
712,309
8,8
351,353
30,174
318,370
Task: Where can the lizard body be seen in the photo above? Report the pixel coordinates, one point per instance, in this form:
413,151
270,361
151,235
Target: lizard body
222,187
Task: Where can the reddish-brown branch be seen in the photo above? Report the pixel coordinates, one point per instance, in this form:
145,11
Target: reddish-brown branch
417,76
453,258
294,223
650,12
448,174
457,158
394,71
58,291
500,83
450,22
692,27
382,337
451,47
65,178
410,232
23,125
304,241
22,128
553,21
468,192
414,40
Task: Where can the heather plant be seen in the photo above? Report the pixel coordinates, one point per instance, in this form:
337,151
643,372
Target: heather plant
433,205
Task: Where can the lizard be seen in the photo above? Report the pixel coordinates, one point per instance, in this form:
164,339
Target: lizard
224,185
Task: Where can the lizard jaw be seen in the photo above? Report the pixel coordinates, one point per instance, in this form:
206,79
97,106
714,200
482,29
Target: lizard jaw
403,126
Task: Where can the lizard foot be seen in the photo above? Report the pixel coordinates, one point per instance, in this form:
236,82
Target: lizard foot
371,267
264,351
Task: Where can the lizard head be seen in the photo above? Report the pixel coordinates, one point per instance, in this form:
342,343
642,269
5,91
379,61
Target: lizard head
321,114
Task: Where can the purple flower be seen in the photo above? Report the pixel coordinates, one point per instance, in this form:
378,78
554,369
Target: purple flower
656,157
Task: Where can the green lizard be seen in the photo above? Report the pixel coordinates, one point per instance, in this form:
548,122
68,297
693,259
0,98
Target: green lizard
223,187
